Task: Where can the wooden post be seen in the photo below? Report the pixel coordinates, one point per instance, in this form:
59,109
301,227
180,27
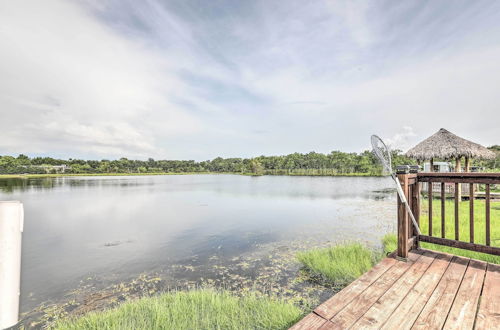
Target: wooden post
431,169
403,219
467,169
487,205
457,207
458,168
471,212
415,195
443,211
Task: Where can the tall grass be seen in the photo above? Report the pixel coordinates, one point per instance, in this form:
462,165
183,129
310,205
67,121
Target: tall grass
196,309
338,265
389,243
390,240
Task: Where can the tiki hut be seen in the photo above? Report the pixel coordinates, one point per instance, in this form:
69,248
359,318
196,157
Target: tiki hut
446,145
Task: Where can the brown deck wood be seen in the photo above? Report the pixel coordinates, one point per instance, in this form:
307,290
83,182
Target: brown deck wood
431,290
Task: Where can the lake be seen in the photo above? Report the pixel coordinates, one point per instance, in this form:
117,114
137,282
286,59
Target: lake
111,229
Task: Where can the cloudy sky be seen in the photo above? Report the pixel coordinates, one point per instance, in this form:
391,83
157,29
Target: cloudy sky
191,79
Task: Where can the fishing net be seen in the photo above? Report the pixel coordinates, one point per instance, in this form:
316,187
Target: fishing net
382,152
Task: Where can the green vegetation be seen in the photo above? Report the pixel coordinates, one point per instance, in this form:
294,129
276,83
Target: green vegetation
55,175
338,265
196,309
334,163
389,243
312,163
390,240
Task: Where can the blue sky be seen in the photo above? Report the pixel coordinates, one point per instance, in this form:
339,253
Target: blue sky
200,79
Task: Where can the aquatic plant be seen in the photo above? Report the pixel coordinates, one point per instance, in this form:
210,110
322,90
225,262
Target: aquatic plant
338,265
389,243
195,309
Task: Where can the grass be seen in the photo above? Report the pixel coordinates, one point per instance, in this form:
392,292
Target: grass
196,309
390,240
389,243
338,265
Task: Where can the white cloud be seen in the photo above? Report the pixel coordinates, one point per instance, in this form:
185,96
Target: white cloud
184,80
402,139
71,83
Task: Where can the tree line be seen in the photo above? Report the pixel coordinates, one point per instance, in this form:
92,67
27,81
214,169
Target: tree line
312,163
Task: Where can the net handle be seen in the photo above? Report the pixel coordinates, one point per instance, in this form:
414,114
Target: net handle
387,164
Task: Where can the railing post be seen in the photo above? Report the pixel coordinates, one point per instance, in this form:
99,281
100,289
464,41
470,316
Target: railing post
403,227
415,208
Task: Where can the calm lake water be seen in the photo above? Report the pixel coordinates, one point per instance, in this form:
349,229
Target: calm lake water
118,227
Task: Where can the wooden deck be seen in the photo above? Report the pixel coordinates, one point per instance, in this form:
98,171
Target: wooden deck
431,290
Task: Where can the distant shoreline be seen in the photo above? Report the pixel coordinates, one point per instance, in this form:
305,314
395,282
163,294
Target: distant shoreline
58,175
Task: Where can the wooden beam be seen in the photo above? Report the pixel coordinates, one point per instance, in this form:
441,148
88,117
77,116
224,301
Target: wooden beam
443,199
461,245
415,193
471,212
491,175
429,195
403,219
458,169
458,165
487,206
477,178
457,208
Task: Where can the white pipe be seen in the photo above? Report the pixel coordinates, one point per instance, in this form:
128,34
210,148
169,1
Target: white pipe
11,227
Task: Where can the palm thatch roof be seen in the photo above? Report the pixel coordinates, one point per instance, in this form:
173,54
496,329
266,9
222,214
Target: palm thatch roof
446,145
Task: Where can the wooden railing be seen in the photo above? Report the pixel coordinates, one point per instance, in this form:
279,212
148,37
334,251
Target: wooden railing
414,190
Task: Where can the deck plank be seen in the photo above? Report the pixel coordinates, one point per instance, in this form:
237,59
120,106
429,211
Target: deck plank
433,290
488,316
311,321
357,307
385,305
463,311
336,303
435,312
408,310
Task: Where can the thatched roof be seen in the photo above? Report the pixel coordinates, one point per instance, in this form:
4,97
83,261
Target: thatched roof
446,145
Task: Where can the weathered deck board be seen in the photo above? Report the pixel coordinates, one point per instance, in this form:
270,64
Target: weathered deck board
438,306
407,312
336,303
432,290
357,307
383,308
488,316
463,312
311,321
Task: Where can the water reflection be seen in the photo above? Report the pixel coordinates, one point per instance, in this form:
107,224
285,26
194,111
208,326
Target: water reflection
79,226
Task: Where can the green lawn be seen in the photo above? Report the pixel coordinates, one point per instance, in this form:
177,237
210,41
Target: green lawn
390,240
196,309
338,265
